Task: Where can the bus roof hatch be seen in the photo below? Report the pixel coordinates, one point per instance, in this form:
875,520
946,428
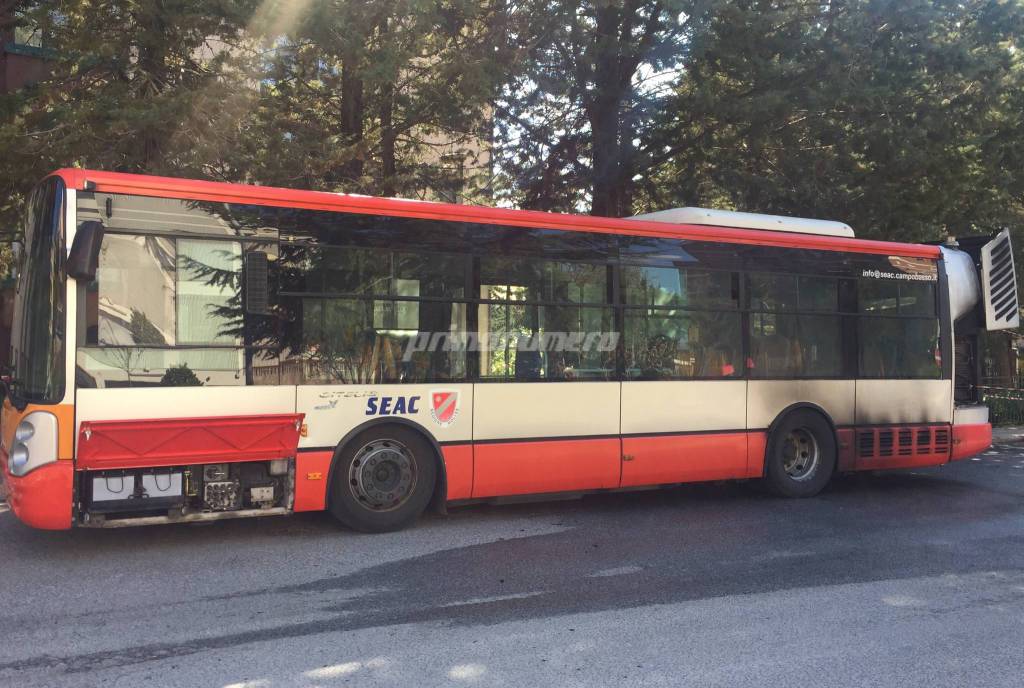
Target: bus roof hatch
731,218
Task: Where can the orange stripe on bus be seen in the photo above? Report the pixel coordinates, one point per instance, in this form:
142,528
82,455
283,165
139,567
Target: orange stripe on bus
548,466
683,458
458,466
757,446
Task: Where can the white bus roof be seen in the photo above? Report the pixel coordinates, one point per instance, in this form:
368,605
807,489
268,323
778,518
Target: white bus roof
731,218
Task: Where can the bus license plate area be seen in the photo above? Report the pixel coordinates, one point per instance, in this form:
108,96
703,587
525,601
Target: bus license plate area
112,491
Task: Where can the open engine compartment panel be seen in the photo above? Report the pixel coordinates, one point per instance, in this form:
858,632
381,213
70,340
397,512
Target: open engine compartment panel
177,492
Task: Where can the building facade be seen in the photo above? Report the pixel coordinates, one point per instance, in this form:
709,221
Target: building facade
23,56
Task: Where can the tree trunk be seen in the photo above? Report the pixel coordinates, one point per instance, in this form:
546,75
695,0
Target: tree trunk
389,137
388,134
603,108
151,75
352,116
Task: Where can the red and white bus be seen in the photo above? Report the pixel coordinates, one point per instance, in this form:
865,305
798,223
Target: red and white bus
187,350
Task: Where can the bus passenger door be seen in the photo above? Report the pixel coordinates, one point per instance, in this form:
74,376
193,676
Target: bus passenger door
536,437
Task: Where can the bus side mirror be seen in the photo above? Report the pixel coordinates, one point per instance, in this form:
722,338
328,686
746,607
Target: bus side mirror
84,258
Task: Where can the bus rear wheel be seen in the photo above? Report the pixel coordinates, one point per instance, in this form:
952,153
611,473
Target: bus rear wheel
382,480
801,455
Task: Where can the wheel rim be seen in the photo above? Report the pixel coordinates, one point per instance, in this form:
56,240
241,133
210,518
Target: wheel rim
382,475
800,454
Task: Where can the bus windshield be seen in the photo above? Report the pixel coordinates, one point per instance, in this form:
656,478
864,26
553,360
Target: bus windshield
37,341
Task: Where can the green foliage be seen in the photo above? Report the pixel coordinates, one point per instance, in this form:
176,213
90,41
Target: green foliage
581,95
126,79
384,96
903,118
180,376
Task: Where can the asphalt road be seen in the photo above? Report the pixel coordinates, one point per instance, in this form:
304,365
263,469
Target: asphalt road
908,579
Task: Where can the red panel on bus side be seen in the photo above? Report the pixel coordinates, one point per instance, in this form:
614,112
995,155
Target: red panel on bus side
458,466
683,458
847,457
757,446
514,468
177,441
312,470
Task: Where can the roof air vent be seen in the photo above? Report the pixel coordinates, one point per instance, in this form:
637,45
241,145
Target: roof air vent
730,218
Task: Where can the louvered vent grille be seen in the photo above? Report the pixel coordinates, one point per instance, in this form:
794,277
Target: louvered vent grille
865,443
906,442
885,443
999,283
877,443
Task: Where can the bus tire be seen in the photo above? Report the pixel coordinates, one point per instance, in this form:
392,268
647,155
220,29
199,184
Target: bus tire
383,479
801,455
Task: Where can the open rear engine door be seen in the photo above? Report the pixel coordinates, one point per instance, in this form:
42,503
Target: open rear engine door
999,284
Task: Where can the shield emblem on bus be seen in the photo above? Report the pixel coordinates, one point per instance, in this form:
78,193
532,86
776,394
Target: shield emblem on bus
444,406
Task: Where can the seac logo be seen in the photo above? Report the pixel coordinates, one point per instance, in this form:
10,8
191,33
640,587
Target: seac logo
444,406
392,406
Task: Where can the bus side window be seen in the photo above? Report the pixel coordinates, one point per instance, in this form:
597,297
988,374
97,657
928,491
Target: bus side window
528,360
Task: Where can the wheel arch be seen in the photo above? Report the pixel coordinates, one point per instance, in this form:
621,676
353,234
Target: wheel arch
792,408
439,497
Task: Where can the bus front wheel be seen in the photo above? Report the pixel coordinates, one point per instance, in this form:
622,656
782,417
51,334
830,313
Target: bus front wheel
801,455
382,480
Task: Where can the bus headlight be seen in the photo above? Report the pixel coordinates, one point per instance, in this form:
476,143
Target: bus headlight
35,443
19,459
24,431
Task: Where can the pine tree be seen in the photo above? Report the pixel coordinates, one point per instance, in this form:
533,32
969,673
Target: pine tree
903,119
587,81
122,92
385,97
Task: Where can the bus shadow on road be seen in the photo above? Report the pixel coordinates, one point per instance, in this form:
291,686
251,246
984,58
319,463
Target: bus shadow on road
930,493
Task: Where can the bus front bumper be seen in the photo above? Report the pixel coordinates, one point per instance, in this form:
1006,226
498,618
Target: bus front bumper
43,497
969,440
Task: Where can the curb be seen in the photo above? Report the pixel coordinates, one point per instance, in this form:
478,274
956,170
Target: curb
1007,436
